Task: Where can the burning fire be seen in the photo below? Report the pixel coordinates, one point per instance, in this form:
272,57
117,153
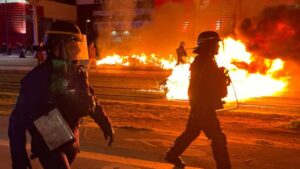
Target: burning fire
137,60
251,75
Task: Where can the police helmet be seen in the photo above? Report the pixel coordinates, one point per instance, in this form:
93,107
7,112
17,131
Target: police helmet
61,32
206,40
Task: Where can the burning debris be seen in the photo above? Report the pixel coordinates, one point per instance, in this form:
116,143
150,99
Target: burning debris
252,75
274,33
141,60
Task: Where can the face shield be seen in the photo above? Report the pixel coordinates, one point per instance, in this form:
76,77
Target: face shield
76,48
73,46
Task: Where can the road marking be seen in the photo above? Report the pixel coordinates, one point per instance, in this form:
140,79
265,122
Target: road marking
116,159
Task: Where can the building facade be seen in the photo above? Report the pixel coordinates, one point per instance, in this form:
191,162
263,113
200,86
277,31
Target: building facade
16,18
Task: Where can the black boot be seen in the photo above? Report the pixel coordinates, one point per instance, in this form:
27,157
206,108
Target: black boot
176,160
221,156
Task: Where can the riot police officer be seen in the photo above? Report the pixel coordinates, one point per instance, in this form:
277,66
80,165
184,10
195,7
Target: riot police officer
57,83
181,52
207,88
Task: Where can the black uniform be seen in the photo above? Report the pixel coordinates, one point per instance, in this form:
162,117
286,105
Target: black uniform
204,100
181,52
42,89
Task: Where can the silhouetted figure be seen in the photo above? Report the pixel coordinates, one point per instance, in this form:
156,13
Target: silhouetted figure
21,50
92,56
40,54
29,47
181,52
208,85
57,84
3,48
9,49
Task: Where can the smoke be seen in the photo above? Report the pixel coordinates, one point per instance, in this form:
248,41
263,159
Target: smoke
161,34
164,33
275,33
121,11
119,15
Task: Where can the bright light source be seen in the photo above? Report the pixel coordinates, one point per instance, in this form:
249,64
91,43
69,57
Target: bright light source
12,1
88,20
185,26
218,25
114,33
126,32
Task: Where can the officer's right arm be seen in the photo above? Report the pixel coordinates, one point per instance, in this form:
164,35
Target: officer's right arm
18,123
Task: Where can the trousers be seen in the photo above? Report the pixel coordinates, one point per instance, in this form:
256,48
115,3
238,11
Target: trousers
58,160
208,123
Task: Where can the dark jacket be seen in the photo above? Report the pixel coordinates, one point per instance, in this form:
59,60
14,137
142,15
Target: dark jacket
31,104
181,52
203,83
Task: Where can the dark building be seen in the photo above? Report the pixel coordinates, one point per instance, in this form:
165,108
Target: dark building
17,23
14,17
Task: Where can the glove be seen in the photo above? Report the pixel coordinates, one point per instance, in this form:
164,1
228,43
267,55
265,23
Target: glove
107,131
104,123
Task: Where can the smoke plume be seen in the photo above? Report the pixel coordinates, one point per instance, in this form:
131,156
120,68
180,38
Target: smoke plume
274,33
160,35
117,11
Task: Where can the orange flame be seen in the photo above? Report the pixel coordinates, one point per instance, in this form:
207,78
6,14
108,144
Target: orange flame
178,82
251,75
138,60
247,84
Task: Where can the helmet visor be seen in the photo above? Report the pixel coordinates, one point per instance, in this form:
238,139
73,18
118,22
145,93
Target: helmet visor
82,44
75,44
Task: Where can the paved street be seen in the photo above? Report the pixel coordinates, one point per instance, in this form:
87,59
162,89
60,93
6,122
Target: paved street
86,159
259,132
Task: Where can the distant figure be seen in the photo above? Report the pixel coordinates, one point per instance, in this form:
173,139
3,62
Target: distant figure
28,48
40,54
22,54
9,49
21,51
17,48
208,85
92,56
3,48
181,52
